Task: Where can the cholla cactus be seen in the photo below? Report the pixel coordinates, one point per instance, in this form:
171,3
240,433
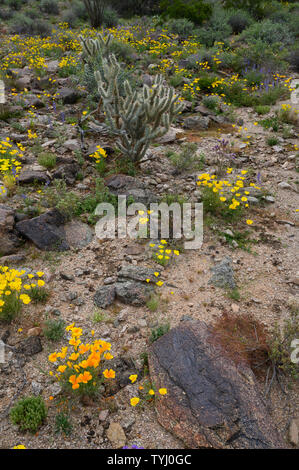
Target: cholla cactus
96,47
138,117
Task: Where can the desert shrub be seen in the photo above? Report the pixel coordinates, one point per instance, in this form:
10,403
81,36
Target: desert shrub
50,7
16,4
23,24
185,159
260,54
294,22
239,20
128,8
181,26
260,109
54,329
122,50
69,16
79,9
110,17
255,7
268,32
5,14
294,59
216,29
29,413
196,11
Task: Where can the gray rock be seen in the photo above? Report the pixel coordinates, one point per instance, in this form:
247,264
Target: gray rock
55,390
68,95
78,235
67,171
72,144
284,185
45,231
132,292
9,242
196,122
136,273
105,296
30,346
30,176
36,388
223,274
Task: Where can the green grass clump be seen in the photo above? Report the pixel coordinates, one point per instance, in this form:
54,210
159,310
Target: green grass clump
29,413
161,330
54,330
47,159
63,424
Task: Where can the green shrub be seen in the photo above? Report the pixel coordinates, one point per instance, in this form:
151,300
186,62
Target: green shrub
259,109
196,11
110,18
23,24
185,159
294,59
29,413
49,6
268,32
181,26
69,16
239,20
54,329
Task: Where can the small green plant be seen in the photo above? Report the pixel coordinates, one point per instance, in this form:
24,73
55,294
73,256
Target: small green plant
184,160
54,329
63,424
161,330
153,302
47,159
271,141
39,294
234,294
29,413
260,109
269,123
100,316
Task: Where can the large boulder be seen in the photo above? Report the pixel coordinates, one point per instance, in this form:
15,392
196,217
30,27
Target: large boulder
45,231
211,401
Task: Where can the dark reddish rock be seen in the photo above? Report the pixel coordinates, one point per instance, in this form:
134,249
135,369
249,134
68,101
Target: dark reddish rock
211,401
45,231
